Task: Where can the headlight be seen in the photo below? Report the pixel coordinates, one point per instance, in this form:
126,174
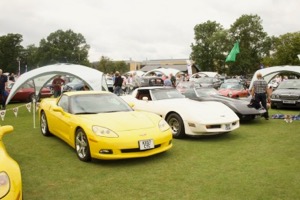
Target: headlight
275,96
104,132
163,125
4,184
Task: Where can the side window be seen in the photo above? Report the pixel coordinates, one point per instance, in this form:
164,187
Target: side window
63,102
143,93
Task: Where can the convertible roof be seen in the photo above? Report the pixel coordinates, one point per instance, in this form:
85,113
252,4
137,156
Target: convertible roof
270,72
40,76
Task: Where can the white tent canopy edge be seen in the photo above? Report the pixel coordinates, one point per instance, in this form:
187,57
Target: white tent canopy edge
40,76
270,72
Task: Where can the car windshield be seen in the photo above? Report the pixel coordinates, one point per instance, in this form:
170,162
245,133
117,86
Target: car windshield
205,80
159,94
290,84
205,92
98,103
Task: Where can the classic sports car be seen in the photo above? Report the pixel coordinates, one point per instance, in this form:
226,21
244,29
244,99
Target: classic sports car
240,107
233,90
287,94
10,173
26,93
99,124
185,116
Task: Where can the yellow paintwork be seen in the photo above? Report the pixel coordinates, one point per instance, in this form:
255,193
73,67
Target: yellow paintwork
11,168
129,126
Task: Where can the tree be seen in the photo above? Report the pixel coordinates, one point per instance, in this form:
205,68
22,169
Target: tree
286,49
10,50
108,66
253,41
30,56
209,47
63,47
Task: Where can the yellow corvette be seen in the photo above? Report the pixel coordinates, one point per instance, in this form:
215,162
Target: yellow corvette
10,173
101,125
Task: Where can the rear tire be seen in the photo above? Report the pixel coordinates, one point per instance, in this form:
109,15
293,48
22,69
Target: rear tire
177,126
82,146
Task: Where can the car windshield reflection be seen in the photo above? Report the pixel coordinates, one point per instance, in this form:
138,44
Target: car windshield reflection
99,103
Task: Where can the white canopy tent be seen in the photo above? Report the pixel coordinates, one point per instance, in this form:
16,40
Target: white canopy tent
163,71
270,72
93,78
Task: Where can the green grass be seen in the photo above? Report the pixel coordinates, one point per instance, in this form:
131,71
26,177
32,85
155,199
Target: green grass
260,160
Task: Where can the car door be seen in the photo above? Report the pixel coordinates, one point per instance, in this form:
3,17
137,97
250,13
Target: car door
62,119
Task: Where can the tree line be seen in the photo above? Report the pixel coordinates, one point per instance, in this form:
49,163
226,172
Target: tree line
211,45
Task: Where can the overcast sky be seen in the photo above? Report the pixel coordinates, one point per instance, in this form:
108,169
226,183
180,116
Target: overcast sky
139,29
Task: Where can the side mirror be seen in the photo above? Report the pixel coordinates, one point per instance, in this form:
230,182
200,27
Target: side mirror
58,109
131,104
5,130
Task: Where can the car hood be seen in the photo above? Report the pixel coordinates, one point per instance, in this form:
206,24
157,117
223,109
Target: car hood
121,121
192,109
237,105
287,91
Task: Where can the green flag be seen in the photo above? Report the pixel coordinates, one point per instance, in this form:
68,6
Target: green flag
235,50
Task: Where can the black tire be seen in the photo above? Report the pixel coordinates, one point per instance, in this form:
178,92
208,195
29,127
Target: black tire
82,146
273,106
44,124
177,126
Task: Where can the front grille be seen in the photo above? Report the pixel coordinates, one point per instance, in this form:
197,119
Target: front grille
137,149
289,97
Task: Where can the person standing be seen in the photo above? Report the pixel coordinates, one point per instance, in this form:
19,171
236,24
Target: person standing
260,93
173,80
167,81
118,83
56,85
3,86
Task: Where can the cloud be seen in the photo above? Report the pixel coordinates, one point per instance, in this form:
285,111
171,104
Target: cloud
139,29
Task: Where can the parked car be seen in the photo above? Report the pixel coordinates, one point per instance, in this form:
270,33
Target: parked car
213,82
100,125
110,83
287,94
10,173
240,107
233,90
75,85
185,116
26,93
151,81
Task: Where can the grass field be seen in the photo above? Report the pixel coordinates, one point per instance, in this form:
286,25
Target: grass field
260,160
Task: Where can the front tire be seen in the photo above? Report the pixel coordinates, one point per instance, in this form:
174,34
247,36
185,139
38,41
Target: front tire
82,146
177,126
44,124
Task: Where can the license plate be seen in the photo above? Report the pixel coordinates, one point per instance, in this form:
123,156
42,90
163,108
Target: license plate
289,101
146,144
227,126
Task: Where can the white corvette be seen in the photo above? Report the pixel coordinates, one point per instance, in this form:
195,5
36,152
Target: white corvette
185,116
